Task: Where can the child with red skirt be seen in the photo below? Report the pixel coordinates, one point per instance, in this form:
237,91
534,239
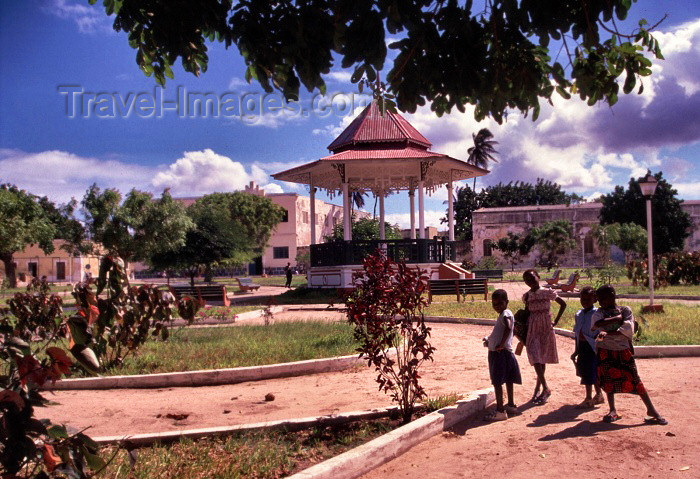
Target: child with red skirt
617,371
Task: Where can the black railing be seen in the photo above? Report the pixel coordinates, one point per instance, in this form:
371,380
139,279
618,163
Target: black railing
336,253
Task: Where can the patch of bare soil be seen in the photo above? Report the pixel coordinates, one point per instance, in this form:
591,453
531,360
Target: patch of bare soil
554,440
459,367
557,440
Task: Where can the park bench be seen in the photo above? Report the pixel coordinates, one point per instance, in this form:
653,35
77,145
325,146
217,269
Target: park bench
555,278
570,284
488,273
203,292
460,287
246,284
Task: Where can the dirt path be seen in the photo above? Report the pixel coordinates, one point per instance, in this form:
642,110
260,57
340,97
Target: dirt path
459,367
557,440
572,442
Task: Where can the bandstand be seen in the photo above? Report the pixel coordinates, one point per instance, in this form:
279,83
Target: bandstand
381,153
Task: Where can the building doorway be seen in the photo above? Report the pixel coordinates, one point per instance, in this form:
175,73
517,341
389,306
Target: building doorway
33,269
60,271
255,268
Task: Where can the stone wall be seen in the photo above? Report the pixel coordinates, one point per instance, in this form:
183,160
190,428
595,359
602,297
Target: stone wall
491,224
692,243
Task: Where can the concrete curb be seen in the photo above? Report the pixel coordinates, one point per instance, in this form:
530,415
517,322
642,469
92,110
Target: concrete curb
672,351
485,322
675,297
640,352
373,454
210,377
147,439
239,317
447,319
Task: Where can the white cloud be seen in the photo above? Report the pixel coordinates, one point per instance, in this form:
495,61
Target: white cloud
238,84
334,129
273,120
61,175
202,172
88,18
681,48
272,188
339,76
432,218
688,190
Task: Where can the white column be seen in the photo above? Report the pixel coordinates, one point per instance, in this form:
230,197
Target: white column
382,232
312,195
411,197
450,214
421,209
347,227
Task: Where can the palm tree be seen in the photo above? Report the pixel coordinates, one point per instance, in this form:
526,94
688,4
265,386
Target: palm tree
483,150
357,199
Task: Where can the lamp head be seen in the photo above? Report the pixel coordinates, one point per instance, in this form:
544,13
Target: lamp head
648,185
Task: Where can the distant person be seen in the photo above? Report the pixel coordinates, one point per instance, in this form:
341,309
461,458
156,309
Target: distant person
541,343
503,367
289,274
584,356
617,370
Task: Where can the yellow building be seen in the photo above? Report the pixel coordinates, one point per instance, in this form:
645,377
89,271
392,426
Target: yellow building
58,267
293,233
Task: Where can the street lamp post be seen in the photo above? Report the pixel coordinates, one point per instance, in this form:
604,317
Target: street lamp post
648,187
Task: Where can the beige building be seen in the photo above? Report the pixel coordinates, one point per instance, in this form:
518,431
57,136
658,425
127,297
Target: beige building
58,267
491,224
293,233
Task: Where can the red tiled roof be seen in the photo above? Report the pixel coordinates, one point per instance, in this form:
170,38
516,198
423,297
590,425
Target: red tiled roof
383,153
371,126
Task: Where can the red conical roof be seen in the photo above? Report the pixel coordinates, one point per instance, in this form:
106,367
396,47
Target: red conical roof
371,127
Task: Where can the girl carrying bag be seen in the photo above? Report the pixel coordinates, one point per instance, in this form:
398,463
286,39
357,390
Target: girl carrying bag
521,318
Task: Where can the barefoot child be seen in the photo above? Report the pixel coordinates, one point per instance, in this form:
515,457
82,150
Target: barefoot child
541,343
503,367
617,371
584,355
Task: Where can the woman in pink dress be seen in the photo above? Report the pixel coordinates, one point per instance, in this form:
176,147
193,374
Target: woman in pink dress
541,343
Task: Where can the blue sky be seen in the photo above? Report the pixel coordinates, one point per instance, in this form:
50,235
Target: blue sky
50,46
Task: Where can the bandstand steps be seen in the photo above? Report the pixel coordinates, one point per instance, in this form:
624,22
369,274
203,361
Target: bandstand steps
453,271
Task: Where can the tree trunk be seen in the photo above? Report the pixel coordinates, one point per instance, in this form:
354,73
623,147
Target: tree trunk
192,274
207,274
10,270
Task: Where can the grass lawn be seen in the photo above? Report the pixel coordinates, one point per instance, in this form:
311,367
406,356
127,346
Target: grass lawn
622,284
223,313
278,280
679,324
259,454
301,295
239,346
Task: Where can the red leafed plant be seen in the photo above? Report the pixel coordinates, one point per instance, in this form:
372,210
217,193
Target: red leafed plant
31,447
108,323
386,309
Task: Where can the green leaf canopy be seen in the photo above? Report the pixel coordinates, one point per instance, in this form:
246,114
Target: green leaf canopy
448,53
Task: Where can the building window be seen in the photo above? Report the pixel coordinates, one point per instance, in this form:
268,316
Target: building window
33,269
280,252
285,216
487,247
305,217
588,244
